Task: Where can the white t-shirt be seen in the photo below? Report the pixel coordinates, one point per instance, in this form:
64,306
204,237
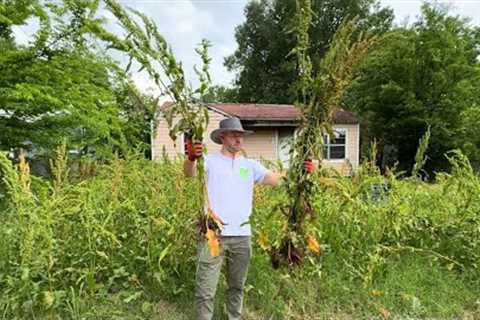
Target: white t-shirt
230,190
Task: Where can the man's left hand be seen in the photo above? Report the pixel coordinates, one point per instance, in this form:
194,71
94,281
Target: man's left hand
308,166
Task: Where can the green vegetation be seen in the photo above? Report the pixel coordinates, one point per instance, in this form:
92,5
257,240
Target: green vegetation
426,75
118,240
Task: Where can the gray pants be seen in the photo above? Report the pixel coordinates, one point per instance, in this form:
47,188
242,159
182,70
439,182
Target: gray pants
237,251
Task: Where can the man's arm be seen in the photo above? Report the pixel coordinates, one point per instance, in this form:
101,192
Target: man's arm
193,151
273,178
189,168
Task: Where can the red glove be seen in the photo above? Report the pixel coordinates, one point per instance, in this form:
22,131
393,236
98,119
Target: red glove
308,166
193,151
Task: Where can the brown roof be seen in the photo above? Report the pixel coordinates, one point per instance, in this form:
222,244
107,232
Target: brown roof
272,112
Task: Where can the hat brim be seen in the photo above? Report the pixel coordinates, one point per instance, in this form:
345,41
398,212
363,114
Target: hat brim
215,135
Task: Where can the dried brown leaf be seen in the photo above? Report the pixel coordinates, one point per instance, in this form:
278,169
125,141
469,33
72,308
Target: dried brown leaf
313,244
212,241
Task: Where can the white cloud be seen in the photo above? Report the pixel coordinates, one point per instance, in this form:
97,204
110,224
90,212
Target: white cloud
24,33
409,10
143,81
184,23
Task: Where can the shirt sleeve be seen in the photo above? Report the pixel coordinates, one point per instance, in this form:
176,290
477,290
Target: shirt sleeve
259,171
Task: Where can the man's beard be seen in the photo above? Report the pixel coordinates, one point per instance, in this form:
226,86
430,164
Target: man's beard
232,149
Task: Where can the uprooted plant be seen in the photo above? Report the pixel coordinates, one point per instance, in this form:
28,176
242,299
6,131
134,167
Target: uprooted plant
317,97
188,114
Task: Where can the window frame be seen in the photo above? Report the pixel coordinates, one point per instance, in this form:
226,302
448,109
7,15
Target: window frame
327,146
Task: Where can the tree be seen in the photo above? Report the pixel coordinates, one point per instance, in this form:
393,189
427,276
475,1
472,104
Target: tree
218,94
137,113
44,100
265,69
61,87
426,75
470,135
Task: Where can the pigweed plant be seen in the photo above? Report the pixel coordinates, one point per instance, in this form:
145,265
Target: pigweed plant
187,115
123,232
318,96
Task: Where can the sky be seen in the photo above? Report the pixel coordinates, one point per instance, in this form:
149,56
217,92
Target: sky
184,23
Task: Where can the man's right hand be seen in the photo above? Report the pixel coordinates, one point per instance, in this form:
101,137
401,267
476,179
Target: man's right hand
193,150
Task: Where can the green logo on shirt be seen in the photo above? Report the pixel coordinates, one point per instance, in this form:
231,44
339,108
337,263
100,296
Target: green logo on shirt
244,172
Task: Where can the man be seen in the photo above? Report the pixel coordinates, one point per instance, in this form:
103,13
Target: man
230,179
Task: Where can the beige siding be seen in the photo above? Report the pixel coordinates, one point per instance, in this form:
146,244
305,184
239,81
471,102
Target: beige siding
213,124
351,150
162,143
261,144
174,149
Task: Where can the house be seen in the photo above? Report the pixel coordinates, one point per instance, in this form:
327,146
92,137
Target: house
274,127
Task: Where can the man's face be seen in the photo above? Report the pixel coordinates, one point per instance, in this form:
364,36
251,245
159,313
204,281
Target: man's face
232,141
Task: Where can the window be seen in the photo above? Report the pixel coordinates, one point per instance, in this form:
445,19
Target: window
334,148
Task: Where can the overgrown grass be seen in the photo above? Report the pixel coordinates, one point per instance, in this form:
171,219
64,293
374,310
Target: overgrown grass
118,241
